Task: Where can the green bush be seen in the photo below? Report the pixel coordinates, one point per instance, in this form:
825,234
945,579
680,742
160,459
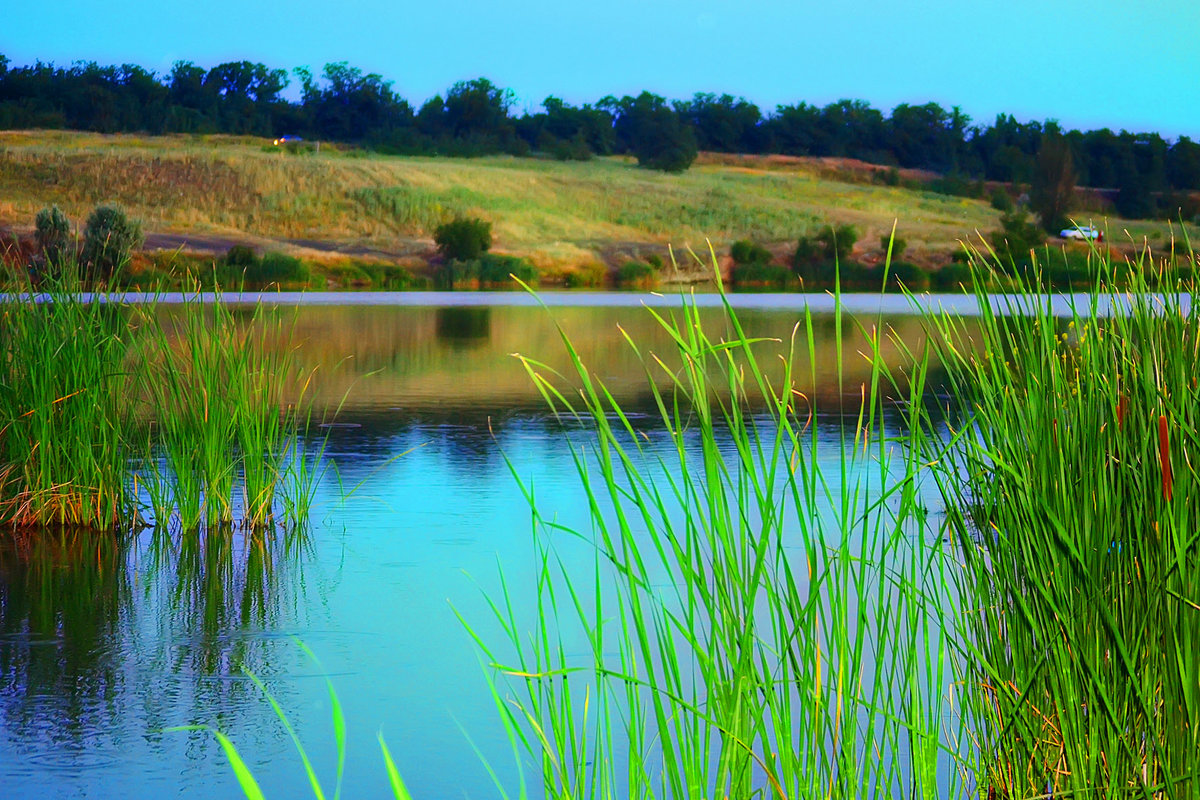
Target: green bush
587,275
745,252
498,269
761,273
838,242
908,275
817,257
108,240
1002,201
954,276
389,276
1017,236
241,256
279,268
897,244
463,239
241,268
654,260
637,273
53,232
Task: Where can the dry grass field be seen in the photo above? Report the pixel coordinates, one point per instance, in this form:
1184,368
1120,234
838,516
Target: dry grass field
206,192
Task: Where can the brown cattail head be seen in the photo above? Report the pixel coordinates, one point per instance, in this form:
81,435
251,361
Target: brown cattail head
1121,409
1164,456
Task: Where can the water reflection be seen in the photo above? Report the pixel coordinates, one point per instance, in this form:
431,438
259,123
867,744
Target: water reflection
104,643
62,599
464,327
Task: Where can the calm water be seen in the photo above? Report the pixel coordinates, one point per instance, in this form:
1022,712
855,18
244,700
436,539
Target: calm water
102,646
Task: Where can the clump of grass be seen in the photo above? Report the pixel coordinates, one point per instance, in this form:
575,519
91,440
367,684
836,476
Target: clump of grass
1071,487
63,455
759,617
217,413
218,399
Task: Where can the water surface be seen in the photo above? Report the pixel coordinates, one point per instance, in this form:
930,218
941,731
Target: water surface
105,644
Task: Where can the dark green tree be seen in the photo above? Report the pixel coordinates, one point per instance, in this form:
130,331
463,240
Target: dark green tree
463,238
653,131
1053,188
108,241
53,233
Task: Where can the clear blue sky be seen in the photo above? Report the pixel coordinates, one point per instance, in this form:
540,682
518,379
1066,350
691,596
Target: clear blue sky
1131,64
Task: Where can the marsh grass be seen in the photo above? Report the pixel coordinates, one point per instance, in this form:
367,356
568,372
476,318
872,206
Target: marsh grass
760,617
63,455
761,611
109,411
217,390
1074,480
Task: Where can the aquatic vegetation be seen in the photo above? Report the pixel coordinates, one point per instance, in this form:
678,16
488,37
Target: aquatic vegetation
110,410
737,619
63,420
750,623
1073,474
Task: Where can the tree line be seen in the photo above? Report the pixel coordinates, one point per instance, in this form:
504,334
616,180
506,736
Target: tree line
1149,174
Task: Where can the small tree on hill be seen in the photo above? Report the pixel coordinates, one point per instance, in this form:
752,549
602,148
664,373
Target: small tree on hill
1016,238
53,232
108,241
1053,186
463,239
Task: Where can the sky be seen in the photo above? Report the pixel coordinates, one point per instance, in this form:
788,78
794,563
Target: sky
1128,64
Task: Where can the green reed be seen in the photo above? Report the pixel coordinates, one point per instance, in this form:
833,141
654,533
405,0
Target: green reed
63,454
219,394
764,611
105,405
1072,487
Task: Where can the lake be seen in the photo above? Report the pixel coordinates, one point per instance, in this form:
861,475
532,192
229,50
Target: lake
423,414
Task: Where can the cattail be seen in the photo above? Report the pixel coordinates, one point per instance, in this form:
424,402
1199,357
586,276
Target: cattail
1164,456
1121,408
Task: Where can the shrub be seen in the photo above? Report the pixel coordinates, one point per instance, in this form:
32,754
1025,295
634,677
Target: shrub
654,260
463,239
745,252
908,275
278,268
816,257
637,273
838,242
241,256
1002,201
953,277
761,273
494,269
1015,239
897,244
53,232
388,276
586,275
108,240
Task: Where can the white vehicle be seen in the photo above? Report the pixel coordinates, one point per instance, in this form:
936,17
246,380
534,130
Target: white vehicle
1084,233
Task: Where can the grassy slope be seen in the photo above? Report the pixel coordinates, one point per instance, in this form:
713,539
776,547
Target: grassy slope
561,214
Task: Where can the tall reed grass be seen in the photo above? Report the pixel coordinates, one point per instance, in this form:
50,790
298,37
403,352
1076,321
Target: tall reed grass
1074,486
765,611
63,416
761,616
113,414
